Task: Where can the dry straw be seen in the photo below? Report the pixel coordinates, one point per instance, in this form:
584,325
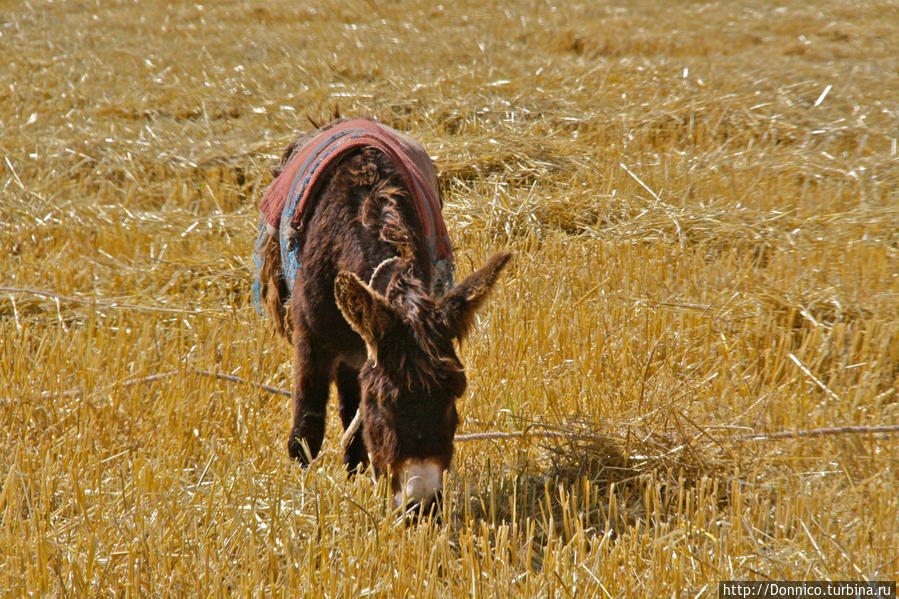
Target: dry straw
702,315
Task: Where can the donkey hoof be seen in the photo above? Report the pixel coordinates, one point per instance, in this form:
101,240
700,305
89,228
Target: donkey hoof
354,464
298,450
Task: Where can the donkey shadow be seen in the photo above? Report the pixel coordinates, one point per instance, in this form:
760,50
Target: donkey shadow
594,487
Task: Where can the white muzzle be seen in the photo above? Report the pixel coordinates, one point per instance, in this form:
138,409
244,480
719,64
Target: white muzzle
420,481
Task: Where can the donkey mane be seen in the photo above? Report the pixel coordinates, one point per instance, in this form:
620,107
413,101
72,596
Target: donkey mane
432,364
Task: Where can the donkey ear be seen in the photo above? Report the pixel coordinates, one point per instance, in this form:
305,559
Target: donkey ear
364,308
459,305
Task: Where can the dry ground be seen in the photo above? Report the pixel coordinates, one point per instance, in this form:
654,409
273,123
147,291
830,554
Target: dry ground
703,199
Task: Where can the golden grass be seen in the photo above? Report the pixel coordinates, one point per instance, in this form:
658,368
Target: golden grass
703,200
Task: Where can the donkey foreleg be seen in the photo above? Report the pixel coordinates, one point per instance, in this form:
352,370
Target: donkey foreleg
312,379
355,456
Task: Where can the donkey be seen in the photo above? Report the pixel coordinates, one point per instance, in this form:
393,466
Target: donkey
355,270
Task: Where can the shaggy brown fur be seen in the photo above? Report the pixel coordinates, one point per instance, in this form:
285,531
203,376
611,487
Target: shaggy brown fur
391,346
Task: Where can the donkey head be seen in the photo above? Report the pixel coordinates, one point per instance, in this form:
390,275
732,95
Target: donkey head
412,377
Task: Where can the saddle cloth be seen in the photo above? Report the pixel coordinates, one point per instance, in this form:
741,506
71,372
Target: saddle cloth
288,196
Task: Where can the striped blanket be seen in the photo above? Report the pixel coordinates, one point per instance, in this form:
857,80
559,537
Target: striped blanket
288,196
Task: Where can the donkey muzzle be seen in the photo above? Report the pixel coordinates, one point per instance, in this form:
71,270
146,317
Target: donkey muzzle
420,482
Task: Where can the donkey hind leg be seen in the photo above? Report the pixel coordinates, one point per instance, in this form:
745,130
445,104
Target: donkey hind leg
312,381
355,458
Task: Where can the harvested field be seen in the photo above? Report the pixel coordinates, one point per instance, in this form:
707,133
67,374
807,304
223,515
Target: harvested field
703,202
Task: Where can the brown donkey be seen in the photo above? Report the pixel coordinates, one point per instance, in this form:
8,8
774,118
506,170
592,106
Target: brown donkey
353,268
